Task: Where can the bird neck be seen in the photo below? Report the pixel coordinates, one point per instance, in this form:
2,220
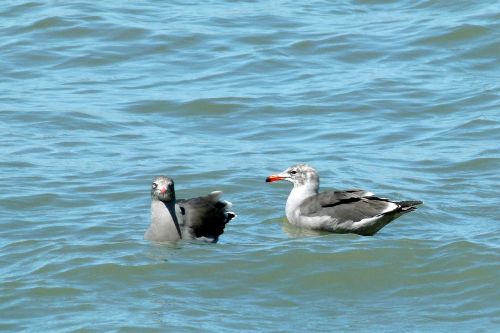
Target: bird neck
298,194
170,205
163,215
307,189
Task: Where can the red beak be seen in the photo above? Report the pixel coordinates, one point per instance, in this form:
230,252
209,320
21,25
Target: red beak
274,178
163,190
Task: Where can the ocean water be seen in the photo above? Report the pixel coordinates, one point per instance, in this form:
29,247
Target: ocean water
400,98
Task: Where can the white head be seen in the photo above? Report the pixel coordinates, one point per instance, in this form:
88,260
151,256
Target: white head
299,175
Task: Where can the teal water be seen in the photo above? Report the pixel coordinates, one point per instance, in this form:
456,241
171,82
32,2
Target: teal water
398,97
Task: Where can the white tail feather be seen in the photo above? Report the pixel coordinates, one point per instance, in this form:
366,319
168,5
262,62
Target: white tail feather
229,204
216,195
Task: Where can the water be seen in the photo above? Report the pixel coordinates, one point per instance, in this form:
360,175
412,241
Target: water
397,97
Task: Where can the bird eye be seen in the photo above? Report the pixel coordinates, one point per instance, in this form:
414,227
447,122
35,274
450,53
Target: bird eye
154,186
293,172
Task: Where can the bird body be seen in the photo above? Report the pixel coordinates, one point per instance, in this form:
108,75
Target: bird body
351,211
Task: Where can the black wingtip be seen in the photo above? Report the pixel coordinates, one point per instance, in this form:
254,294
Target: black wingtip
410,203
230,216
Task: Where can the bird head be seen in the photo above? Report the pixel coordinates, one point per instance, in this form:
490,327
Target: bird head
299,175
162,189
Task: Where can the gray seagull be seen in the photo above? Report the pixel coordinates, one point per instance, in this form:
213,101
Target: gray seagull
351,211
202,218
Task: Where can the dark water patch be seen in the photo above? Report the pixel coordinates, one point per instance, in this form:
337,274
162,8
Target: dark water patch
108,274
376,2
126,137
210,106
44,24
487,51
258,39
485,100
455,7
459,34
75,32
86,124
17,165
193,108
129,34
184,41
35,201
20,9
475,165
54,292
473,130
94,59
158,106
40,59
479,124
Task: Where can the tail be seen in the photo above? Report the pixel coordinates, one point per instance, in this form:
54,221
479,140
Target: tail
223,205
218,218
409,205
374,224
230,216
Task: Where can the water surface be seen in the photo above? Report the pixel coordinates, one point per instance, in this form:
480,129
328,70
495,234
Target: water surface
397,97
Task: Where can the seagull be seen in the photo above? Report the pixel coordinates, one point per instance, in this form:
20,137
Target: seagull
351,211
201,218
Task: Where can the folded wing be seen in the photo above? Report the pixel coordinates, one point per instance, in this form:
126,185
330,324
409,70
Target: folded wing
205,217
355,211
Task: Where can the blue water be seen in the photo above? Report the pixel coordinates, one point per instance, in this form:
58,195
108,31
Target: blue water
401,98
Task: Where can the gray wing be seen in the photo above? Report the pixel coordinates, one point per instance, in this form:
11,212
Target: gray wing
314,205
352,205
206,217
355,210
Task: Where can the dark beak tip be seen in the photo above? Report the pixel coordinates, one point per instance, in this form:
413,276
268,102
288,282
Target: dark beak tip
273,178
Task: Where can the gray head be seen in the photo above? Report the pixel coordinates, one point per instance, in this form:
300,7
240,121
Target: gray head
162,189
299,175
